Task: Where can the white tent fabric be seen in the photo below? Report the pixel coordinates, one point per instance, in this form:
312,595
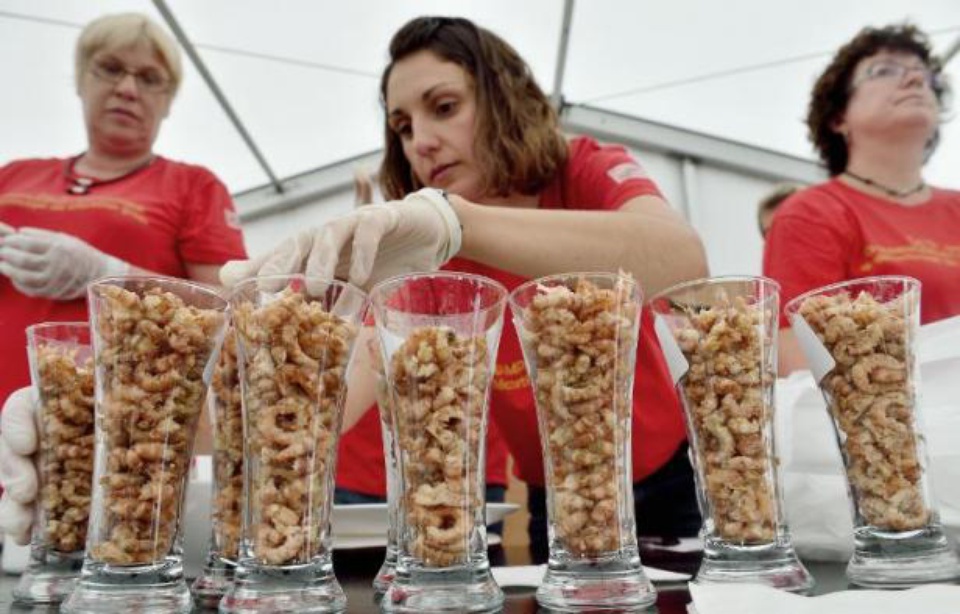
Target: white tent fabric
302,75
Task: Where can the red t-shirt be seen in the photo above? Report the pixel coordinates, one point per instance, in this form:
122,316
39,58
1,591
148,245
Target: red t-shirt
832,232
594,177
159,218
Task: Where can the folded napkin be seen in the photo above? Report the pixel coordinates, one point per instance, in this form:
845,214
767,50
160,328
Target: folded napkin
532,575
759,599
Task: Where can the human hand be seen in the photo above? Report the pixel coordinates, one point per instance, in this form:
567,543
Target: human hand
54,264
18,441
374,242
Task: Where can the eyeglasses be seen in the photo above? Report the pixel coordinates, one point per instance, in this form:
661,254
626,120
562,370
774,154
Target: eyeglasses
148,79
890,70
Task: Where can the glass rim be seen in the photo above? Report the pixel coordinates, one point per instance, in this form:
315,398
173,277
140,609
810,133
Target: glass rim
713,281
574,275
40,326
793,305
248,281
122,280
380,287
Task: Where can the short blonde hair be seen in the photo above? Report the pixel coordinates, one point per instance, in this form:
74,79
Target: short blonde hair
121,30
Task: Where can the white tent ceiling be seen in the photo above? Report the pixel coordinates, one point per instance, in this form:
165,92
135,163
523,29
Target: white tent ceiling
302,75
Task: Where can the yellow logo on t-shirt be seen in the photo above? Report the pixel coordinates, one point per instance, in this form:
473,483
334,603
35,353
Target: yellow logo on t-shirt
46,202
923,250
510,376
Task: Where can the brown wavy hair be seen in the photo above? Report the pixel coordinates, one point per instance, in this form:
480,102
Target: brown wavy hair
832,92
518,140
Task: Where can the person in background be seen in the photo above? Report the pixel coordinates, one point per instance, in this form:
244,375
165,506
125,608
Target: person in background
768,205
464,115
874,118
118,208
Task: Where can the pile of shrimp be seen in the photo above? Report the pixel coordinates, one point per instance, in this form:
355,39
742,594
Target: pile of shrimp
727,392
438,380
580,345
65,461
296,356
871,397
152,355
227,450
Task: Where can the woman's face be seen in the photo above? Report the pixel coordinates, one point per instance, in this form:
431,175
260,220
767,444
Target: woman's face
126,95
431,106
891,95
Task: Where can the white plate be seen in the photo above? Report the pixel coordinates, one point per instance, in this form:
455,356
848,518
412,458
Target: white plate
370,519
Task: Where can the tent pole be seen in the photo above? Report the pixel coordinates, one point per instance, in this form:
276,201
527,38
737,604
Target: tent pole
217,92
557,97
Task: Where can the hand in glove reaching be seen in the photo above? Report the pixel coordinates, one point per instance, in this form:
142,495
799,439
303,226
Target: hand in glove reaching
18,442
52,264
374,242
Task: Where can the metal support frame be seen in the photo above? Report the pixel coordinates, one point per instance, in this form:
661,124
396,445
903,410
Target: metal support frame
191,52
557,96
683,143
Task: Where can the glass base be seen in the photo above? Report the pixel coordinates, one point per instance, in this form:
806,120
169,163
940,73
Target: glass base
49,578
213,582
901,560
311,589
460,589
388,571
615,584
145,589
775,565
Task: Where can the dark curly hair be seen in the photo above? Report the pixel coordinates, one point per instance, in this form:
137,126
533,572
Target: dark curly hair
518,141
832,90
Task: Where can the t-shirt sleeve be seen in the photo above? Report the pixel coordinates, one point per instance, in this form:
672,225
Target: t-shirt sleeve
211,234
809,245
606,177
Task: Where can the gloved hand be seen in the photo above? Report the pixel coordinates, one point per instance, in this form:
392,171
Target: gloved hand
18,440
54,264
374,242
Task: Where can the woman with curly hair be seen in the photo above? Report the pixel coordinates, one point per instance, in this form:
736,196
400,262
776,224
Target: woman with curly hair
464,115
874,118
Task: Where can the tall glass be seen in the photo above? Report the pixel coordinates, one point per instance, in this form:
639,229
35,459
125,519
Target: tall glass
439,334
295,338
61,370
719,337
859,339
579,336
154,340
388,570
226,418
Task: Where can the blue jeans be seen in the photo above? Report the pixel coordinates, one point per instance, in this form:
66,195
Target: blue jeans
665,505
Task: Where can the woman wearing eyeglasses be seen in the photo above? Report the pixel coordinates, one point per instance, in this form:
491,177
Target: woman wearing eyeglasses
117,208
874,118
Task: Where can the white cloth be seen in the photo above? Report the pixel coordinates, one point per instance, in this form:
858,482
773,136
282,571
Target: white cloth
760,599
18,441
54,264
370,244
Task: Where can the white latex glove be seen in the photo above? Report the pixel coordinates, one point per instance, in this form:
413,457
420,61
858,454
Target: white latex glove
54,264
18,441
374,242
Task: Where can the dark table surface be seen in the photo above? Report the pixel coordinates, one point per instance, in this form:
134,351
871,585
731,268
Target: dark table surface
355,570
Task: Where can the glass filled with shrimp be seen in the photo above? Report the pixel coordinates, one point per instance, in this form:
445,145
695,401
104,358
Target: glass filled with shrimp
154,344
719,338
295,337
439,334
579,335
859,339
61,371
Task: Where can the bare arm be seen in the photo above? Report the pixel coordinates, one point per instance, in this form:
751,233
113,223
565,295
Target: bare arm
645,237
790,357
